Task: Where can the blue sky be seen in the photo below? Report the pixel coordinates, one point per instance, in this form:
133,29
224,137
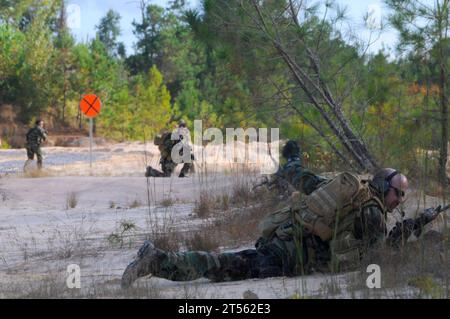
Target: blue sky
90,13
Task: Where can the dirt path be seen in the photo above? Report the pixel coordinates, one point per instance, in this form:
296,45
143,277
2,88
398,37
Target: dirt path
40,234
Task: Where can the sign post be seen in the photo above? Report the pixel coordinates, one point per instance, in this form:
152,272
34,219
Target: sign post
91,129
90,106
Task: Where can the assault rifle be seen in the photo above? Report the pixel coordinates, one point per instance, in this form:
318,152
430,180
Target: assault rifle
276,182
414,226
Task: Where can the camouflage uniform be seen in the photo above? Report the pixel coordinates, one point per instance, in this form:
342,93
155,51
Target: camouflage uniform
289,251
167,164
34,139
301,179
181,135
185,137
185,266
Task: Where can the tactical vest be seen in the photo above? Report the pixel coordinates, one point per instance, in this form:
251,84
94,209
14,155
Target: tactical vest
164,143
325,212
35,136
348,250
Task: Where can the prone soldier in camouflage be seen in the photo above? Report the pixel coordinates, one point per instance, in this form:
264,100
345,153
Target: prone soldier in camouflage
293,176
34,138
298,240
166,144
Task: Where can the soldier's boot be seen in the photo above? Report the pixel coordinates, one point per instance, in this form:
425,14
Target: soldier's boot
145,263
168,168
151,172
185,169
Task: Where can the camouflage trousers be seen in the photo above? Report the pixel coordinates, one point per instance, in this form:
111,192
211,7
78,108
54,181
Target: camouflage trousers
35,149
168,167
269,259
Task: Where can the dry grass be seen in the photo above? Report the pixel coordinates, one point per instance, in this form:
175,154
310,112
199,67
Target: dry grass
238,226
126,229
434,188
163,233
135,203
235,215
241,192
208,204
205,205
47,288
203,240
167,202
166,241
71,200
36,173
331,287
240,195
417,270
61,243
53,286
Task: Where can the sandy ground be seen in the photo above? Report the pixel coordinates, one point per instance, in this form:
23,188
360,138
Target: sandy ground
40,235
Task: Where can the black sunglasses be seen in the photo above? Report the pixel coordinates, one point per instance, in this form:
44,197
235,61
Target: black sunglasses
398,192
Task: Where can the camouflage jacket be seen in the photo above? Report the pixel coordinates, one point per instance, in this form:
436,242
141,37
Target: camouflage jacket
36,136
365,230
170,139
299,177
361,230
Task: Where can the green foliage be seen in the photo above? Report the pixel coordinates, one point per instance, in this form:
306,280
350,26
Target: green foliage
109,30
149,44
127,228
428,286
213,65
152,105
5,145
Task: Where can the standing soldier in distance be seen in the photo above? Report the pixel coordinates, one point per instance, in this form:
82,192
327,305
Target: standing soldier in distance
34,139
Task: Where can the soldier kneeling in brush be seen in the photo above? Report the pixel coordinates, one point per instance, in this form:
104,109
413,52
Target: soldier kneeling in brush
179,140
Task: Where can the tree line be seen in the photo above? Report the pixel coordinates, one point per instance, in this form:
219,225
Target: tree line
287,64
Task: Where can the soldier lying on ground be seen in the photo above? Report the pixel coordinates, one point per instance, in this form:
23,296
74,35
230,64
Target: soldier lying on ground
292,176
166,142
299,239
34,138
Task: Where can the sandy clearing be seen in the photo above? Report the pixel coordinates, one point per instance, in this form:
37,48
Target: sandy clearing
40,237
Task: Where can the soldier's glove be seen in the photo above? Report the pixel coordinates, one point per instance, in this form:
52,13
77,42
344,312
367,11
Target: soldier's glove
401,232
427,216
430,214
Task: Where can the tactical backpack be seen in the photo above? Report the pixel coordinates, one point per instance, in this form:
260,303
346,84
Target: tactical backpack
165,143
323,209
